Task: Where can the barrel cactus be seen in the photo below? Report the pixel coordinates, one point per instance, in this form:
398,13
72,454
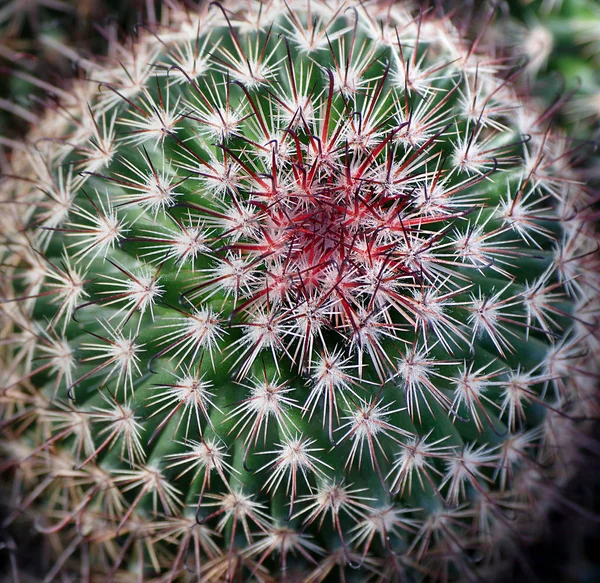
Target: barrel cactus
294,291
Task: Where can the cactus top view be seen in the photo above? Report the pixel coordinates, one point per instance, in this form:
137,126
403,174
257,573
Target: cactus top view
294,290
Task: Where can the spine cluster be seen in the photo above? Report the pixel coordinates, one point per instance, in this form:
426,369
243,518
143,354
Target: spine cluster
294,290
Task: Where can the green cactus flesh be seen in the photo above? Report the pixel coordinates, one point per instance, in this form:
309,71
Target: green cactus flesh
294,291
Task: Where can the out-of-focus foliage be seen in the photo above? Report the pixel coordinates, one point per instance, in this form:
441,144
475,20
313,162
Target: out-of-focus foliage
561,41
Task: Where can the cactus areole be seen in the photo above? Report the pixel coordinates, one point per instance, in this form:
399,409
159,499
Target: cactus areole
293,291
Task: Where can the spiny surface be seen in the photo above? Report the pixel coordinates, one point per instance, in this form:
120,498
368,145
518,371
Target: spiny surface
294,291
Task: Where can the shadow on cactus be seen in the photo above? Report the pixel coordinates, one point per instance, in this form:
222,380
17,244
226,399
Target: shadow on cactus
294,292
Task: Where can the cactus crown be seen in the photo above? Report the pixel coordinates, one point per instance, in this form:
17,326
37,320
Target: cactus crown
297,289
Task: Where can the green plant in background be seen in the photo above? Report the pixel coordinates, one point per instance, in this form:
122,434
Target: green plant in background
294,291
561,42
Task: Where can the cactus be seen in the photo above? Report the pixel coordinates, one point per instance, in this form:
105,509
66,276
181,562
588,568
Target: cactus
294,291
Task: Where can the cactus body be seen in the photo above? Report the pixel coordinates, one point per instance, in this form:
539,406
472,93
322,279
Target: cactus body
294,291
